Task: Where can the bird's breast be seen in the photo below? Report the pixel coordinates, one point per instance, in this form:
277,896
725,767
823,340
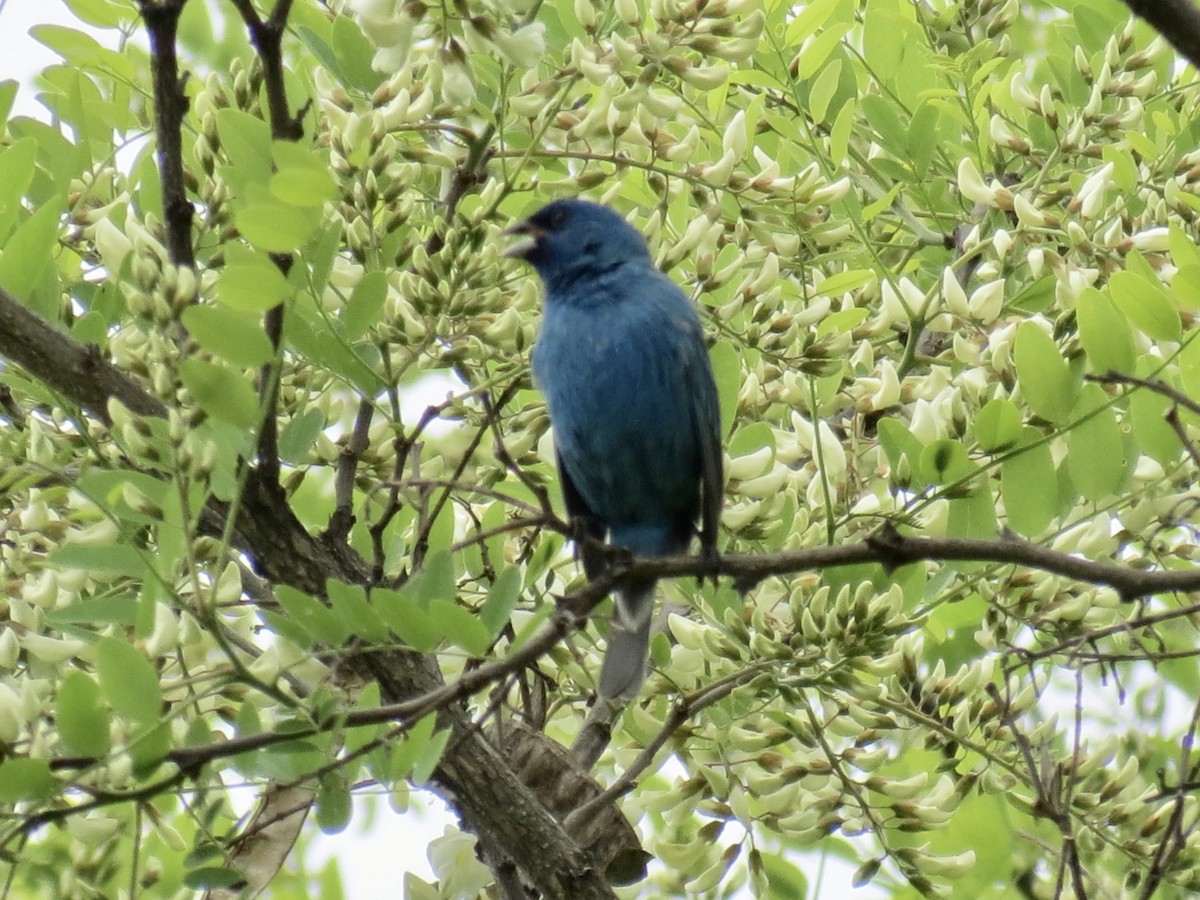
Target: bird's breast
619,404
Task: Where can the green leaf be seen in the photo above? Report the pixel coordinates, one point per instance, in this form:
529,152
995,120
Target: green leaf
818,50
222,392
150,745
1146,304
287,627
354,54
461,626
972,516
359,736
435,581
365,304
236,337
301,175
82,716
1105,334
1049,387
313,616
975,828
8,93
1094,27
408,619
16,174
23,778
839,135
128,680
1185,287
944,462
272,224
786,880
823,88
922,137
309,334
881,113
1154,435
107,488
807,20
751,438
349,603
250,281
1026,481
727,372
843,321
873,209
121,610
898,441
115,559
246,141
320,49
299,435
408,750
100,13
501,600
1037,296
998,425
1125,170
430,756
80,50
213,878
1096,458
30,250
836,285
1184,251
333,802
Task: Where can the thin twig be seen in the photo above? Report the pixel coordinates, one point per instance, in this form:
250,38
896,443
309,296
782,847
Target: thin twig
684,709
355,446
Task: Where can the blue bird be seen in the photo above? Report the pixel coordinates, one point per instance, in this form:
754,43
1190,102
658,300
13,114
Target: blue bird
622,363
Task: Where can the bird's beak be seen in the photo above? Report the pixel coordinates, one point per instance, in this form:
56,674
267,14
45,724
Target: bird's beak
527,236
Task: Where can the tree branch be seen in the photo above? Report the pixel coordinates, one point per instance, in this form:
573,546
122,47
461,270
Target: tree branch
77,371
170,106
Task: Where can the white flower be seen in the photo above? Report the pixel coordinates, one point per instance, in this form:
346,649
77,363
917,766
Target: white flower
11,714
457,87
987,301
1090,198
523,47
953,293
453,860
971,184
1153,239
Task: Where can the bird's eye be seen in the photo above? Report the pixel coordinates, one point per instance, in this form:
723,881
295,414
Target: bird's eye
558,218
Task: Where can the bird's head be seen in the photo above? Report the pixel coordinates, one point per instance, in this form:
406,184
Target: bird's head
568,238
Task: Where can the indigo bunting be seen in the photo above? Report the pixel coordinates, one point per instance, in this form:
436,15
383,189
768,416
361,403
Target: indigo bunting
621,361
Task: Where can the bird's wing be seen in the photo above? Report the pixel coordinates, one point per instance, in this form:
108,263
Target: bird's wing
584,520
706,424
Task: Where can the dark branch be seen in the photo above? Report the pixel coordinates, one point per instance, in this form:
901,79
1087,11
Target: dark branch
75,370
170,106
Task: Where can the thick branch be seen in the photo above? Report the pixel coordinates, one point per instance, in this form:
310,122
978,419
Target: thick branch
75,370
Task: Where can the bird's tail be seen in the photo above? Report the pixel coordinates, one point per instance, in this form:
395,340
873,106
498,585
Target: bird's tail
624,667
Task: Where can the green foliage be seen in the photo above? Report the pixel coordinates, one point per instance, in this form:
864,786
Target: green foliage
946,254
